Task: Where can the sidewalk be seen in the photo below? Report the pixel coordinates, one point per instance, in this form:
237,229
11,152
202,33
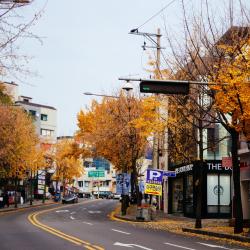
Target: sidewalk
35,203
212,228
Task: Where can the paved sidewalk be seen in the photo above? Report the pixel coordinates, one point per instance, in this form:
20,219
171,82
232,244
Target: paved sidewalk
35,203
218,228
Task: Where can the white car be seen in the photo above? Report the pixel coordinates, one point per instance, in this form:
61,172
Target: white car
117,196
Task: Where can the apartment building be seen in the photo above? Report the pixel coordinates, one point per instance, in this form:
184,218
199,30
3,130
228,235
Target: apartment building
44,116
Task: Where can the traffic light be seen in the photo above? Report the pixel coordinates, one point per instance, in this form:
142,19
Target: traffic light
170,87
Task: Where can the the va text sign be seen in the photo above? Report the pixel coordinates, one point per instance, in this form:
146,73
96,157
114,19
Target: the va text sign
154,176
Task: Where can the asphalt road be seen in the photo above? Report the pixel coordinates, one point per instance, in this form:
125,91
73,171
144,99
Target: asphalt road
86,225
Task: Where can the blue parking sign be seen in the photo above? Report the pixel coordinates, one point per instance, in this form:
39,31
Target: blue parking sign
154,176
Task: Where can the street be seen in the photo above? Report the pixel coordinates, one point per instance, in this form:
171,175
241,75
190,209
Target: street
86,225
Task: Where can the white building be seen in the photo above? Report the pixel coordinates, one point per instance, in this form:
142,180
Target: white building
45,117
90,184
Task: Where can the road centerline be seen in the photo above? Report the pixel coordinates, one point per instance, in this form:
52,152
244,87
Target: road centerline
33,220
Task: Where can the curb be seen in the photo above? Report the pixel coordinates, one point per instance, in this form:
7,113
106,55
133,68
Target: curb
219,235
30,206
130,219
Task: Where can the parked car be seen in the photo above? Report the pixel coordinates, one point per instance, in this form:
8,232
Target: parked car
110,196
70,198
117,196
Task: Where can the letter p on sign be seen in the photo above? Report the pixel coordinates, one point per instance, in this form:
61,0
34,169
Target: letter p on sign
154,175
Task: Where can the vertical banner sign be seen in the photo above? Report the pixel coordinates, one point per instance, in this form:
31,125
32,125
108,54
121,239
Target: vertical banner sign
154,182
123,184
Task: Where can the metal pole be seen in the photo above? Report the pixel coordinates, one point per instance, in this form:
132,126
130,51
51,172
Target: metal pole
44,188
31,184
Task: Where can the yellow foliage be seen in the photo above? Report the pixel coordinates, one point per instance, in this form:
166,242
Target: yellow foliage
233,86
68,166
18,144
117,128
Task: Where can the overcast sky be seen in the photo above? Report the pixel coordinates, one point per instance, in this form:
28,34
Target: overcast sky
86,48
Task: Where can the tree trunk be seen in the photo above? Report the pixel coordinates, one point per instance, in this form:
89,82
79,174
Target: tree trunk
31,189
15,191
237,205
199,181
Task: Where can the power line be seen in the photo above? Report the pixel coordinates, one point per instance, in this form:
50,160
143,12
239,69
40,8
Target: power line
156,14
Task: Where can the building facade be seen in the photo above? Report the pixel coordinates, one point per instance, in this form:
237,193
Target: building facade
98,178
216,190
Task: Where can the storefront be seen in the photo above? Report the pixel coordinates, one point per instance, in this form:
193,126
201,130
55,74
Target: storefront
245,185
216,190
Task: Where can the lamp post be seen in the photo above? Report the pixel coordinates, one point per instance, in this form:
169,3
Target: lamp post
112,96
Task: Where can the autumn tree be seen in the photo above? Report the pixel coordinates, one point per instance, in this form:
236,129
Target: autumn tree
214,51
18,144
68,165
117,129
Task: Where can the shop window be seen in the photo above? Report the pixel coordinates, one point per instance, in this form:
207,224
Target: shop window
218,193
178,196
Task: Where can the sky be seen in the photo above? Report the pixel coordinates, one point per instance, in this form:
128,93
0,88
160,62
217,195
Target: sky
86,48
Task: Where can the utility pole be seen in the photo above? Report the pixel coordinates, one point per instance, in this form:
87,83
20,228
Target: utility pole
156,44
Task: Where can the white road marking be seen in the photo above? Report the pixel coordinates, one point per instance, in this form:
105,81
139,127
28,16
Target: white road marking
94,212
72,218
173,245
84,208
88,223
73,213
216,246
62,211
131,245
122,232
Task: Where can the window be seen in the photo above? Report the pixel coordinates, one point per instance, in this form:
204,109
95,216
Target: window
46,132
32,112
213,139
44,117
105,183
86,183
80,183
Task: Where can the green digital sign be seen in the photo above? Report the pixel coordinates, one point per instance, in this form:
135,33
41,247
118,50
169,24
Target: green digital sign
96,173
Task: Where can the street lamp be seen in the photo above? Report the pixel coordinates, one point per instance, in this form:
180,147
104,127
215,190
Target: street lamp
89,93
